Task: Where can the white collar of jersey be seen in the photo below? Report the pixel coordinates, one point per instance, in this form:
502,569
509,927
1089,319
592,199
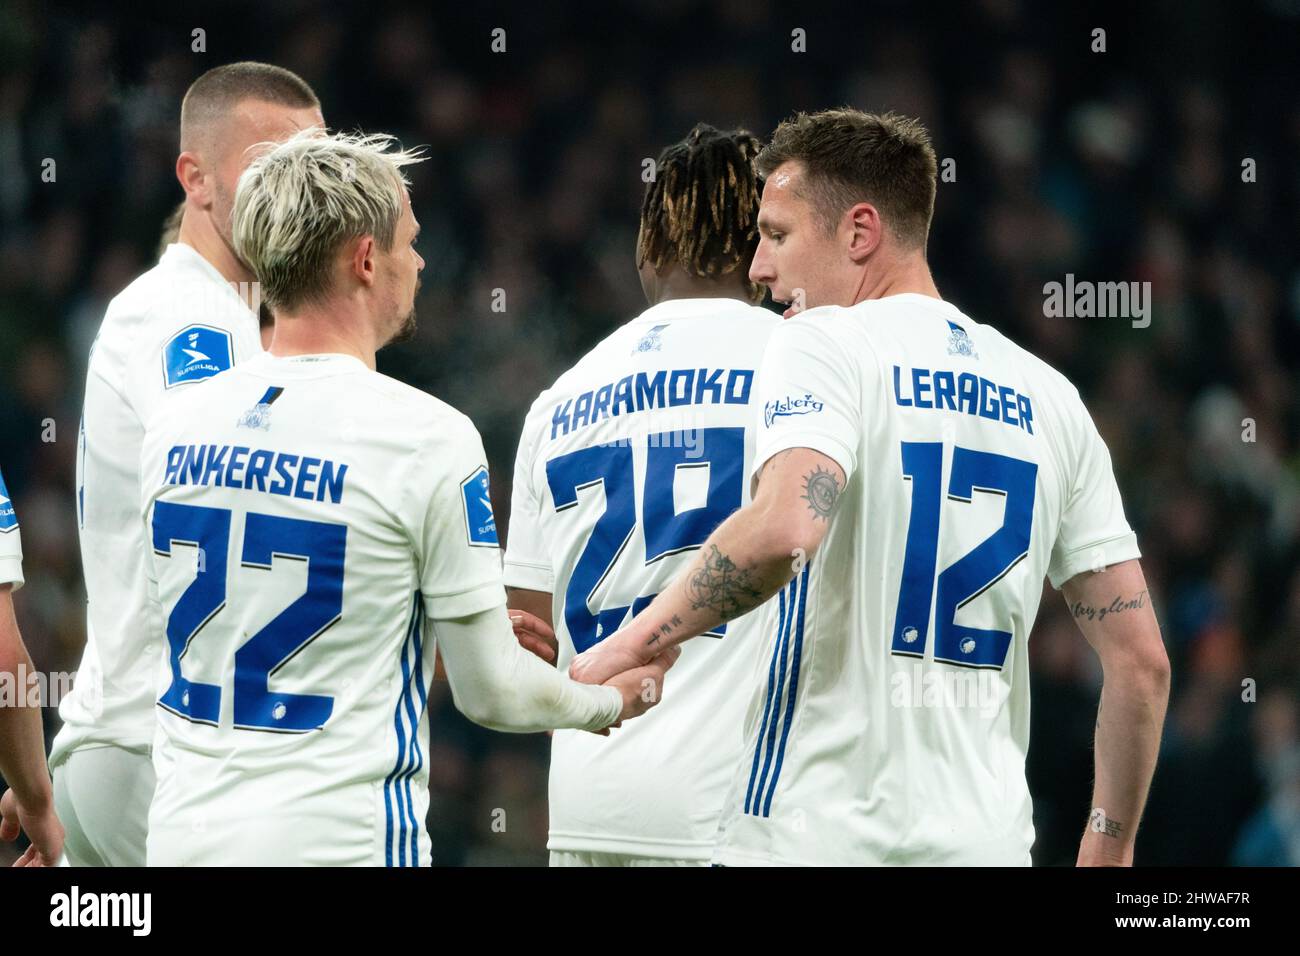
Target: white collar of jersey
920,299
686,308
183,254
307,366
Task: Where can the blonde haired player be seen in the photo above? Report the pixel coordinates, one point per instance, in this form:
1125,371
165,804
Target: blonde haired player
318,529
180,323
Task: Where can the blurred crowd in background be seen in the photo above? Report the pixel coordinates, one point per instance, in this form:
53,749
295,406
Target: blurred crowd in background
1123,165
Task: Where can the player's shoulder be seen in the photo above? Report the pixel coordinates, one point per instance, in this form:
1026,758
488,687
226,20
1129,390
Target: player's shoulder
379,402
180,312
181,283
633,346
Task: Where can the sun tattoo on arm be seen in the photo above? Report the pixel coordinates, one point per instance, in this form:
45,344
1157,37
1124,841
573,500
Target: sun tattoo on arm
821,491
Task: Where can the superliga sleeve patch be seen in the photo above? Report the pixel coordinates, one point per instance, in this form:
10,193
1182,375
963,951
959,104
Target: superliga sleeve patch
9,518
480,523
195,353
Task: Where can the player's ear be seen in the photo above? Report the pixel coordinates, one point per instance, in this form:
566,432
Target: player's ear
864,221
189,172
363,260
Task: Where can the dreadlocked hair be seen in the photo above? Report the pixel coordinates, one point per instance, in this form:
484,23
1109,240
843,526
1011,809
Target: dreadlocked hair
701,210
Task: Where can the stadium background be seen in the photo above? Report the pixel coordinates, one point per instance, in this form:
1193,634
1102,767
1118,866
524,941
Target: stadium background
1116,166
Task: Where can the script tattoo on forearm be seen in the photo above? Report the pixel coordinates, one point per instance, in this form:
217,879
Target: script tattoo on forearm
722,587
821,491
664,630
1117,606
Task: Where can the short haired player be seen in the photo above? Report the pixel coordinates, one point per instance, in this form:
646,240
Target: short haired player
176,325
918,476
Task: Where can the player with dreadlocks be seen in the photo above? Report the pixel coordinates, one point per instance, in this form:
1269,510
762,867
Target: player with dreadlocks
625,466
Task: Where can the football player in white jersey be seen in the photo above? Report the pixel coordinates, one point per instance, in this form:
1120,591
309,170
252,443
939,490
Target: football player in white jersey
925,474
625,466
180,323
316,528
28,804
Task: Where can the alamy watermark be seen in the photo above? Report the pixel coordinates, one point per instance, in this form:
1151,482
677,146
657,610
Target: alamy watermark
1083,299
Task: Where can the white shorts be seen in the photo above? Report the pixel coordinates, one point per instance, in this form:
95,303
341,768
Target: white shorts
567,858
254,825
102,795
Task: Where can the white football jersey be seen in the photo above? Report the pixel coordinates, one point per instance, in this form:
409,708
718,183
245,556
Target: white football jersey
625,467
304,515
177,324
892,722
11,545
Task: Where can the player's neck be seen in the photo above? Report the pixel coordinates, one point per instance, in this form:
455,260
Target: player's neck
197,232
679,285
318,331
909,275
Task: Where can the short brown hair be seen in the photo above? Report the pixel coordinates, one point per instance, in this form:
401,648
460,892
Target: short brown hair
214,93
852,157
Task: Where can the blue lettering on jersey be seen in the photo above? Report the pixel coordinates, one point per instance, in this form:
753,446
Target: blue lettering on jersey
195,353
8,517
480,524
641,392
806,404
966,393
311,479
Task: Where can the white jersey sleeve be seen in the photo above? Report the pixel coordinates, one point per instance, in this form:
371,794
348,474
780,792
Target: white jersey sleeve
527,561
172,351
1093,531
11,547
810,396
457,553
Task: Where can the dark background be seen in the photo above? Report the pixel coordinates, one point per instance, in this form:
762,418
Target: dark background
1117,166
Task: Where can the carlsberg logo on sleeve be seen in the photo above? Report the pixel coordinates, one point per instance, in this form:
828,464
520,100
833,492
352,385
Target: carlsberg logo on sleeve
791,405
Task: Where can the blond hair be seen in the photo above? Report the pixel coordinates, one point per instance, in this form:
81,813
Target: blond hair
300,200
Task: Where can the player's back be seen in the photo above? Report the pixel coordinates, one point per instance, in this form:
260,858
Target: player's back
975,472
173,327
305,492
626,465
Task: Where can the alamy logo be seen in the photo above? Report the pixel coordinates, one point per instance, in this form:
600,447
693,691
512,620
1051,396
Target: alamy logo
102,909
790,405
1102,300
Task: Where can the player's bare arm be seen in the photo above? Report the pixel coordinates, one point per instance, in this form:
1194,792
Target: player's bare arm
29,804
751,556
1113,610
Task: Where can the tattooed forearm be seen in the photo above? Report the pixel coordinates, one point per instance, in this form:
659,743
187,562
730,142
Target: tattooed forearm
1117,606
821,491
1100,823
664,630
722,587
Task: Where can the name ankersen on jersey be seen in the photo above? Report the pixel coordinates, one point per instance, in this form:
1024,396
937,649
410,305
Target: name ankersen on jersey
963,392
256,469
664,389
